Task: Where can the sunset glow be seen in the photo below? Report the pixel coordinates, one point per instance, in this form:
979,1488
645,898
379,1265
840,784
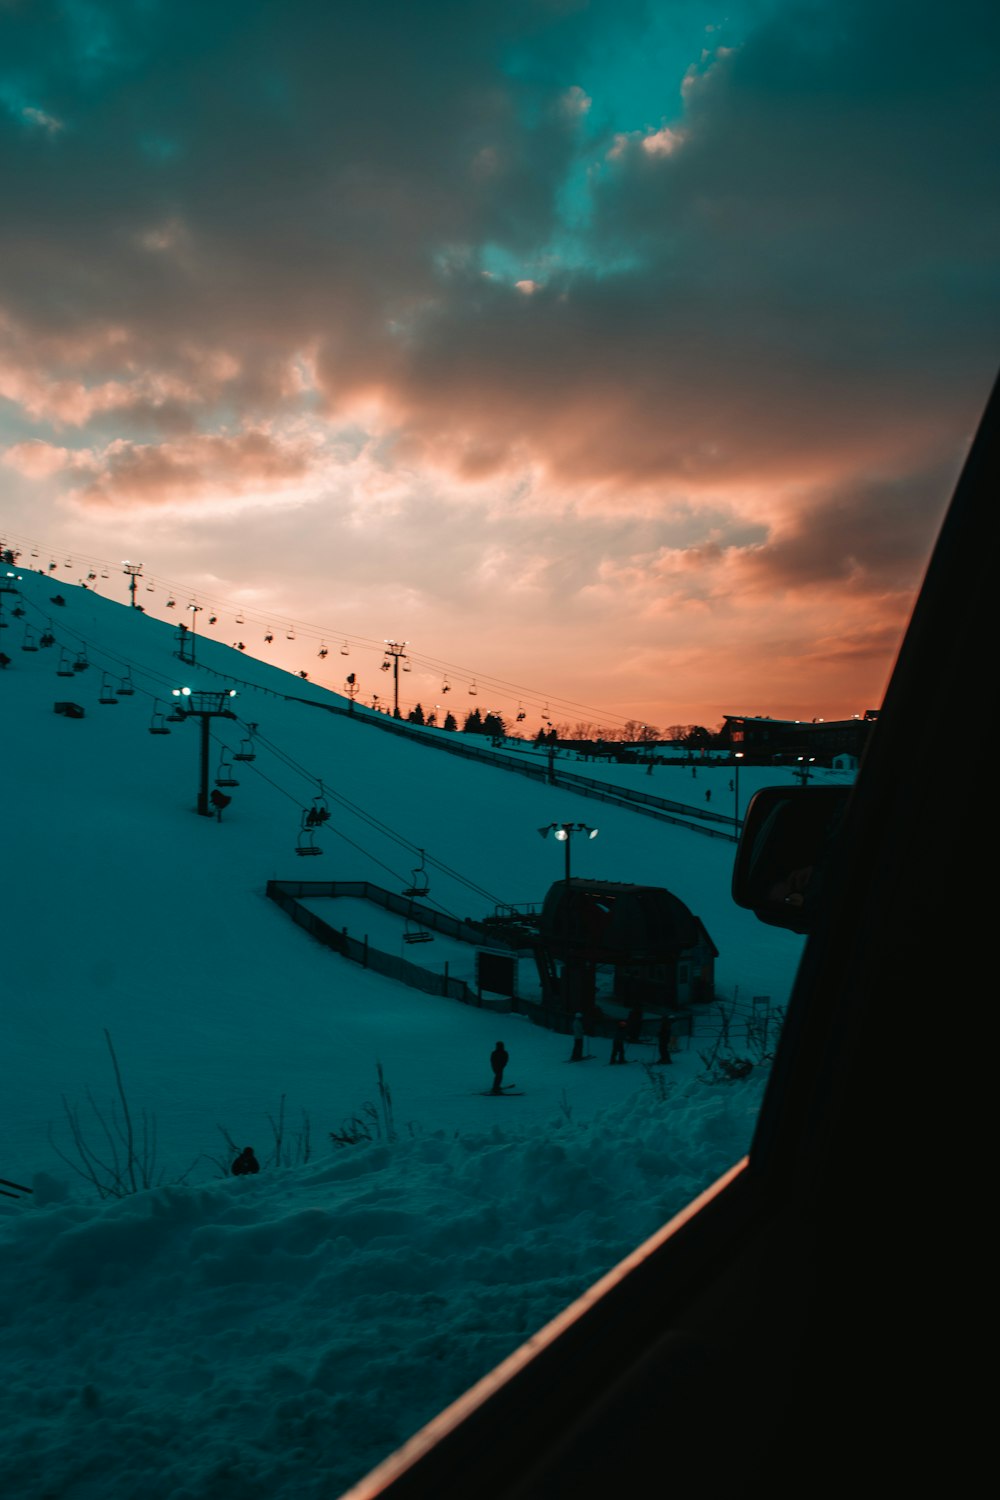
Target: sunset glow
620,355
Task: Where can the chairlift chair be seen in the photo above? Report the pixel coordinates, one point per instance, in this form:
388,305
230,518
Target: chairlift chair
319,813
224,775
414,933
29,643
126,688
157,723
290,635
177,715
105,573
307,839
473,690
171,603
345,649
107,694
246,750
65,667
239,619
421,882
322,651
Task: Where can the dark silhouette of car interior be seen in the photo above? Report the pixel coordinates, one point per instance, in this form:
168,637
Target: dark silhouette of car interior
808,1325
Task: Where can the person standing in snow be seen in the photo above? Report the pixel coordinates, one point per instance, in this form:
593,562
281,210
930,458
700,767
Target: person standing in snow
577,1054
499,1058
618,1044
663,1037
245,1163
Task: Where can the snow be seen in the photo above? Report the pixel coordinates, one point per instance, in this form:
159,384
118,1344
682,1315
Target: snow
278,1335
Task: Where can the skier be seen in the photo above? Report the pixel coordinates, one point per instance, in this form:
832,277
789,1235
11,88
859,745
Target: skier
618,1044
245,1163
663,1037
577,1053
499,1058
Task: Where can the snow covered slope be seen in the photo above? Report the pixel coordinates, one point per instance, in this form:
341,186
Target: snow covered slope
278,1335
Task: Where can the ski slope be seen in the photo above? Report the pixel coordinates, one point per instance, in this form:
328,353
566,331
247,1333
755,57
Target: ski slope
280,1334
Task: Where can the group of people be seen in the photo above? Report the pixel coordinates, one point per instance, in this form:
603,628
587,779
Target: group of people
629,1030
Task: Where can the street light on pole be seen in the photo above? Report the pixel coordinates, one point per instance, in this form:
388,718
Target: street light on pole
564,833
737,757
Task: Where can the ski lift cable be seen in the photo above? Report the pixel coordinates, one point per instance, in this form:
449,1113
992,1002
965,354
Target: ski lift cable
306,629
386,830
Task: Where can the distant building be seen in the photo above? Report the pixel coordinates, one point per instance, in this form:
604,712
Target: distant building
783,741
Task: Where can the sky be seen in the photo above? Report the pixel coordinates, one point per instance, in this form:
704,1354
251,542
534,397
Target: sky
621,353
278,1335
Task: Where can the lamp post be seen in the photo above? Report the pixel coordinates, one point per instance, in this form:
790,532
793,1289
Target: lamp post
564,833
204,706
737,757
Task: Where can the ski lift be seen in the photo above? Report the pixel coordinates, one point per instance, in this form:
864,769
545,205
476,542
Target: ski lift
105,573
126,688
268,639
406,665
65,667
446,686
386,665
345,649
91,577
29,643
473,690
34,551
107,692
239,619
46,638
421,883
322,651
53,565
307,838
157,724
176,715
68,563
212,619
413,932
246,750
290,636
150,588
521,715
224,775
171,603
319,813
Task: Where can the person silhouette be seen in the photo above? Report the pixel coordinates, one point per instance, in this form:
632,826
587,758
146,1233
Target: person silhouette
499,1058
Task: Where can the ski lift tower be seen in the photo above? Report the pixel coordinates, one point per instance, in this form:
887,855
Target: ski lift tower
133,571
204,706
395,651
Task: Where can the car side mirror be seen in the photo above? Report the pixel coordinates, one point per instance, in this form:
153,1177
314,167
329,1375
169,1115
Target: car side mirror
788,833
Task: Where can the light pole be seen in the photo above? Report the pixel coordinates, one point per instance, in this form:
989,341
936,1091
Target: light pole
564,833
737,757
